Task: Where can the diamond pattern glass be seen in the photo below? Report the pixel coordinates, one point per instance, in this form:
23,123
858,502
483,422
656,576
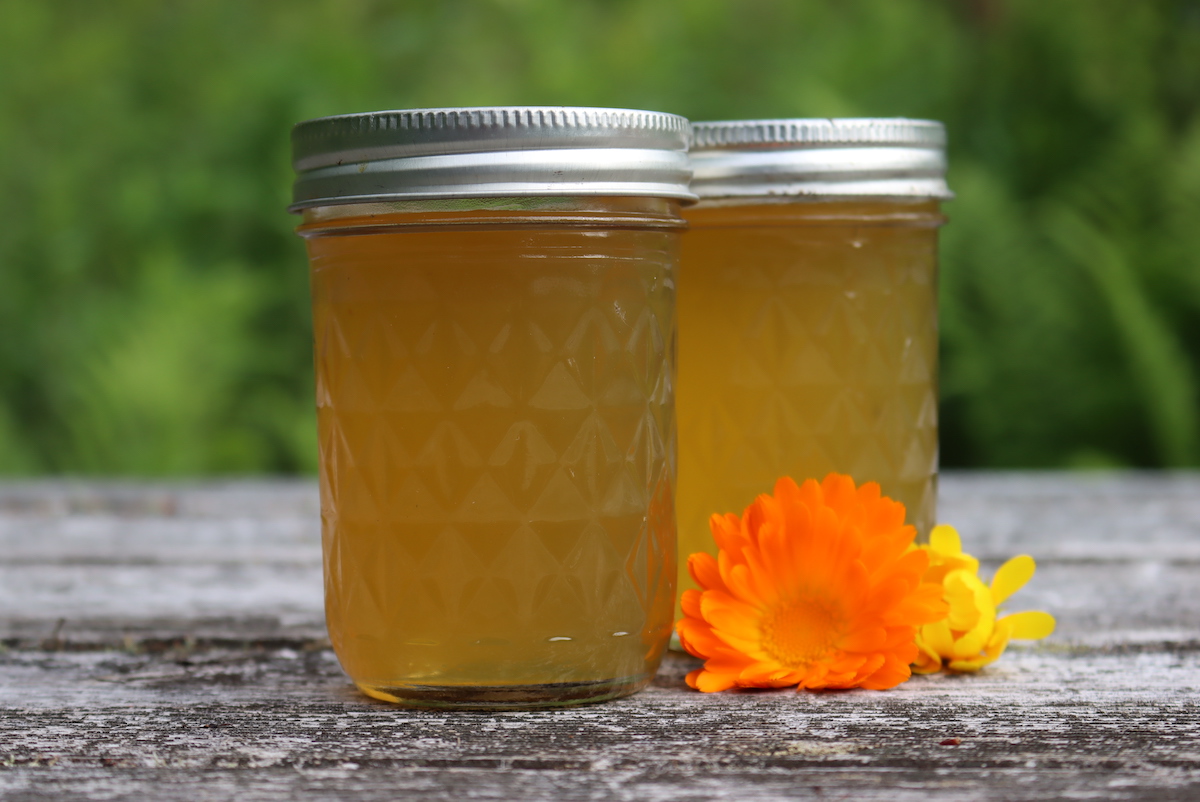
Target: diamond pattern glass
808,344
497,438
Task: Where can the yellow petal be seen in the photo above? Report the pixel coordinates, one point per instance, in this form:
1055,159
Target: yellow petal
944,538
1011,577
994,648
999,641
1033,625
966,666
971,644
926,664
928,660
969,600
938,638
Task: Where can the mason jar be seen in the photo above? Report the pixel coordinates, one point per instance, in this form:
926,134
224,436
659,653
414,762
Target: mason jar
808,313
494,331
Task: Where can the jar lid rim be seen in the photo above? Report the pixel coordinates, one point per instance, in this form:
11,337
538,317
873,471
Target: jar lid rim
817,132
490,151
816,158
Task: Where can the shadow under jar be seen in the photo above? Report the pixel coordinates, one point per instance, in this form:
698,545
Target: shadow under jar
808,313
494,324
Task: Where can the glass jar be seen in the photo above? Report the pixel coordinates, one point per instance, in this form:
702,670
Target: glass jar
494,323
808,313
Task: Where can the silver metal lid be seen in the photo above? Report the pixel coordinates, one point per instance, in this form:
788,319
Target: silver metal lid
489,152
826,158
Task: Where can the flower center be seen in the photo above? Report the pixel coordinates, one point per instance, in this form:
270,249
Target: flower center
797,633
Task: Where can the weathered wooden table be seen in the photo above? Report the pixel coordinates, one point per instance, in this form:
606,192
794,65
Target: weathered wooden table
165,642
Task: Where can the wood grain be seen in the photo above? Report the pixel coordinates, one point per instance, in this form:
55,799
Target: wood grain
165,641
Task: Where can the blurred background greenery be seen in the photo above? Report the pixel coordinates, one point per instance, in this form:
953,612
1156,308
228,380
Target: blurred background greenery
154,301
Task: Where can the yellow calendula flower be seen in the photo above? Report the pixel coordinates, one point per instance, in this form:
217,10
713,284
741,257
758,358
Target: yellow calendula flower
972,636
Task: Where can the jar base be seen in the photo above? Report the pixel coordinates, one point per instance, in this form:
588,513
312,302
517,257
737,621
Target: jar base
506,697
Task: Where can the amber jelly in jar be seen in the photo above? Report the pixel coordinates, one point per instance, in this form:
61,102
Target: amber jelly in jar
494,327
808,313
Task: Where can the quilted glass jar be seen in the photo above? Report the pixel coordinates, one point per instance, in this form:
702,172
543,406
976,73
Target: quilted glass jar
495,368
808,314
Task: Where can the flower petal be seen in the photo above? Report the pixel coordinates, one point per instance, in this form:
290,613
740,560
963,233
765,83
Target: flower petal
709,682
864,640
727,614
726,531
967,666
928,661
1011,577
944,539
743,584
971,643
939,638
889,675
820,586
698,640
994,648
869,667
703,568
1032,625
766,674
922,606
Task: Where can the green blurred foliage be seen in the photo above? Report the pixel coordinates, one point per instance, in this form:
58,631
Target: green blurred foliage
153,299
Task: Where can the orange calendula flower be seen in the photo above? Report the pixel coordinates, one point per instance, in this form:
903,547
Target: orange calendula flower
816,586
972,636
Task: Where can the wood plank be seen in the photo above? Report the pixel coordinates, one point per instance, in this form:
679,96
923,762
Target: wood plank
165,641
277,724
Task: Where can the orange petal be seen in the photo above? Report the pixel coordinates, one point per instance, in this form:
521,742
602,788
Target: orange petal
726,531
703,568
923,606
709,682
689,602
757,514
729,613
839,492
898,636
811,494
868,667
886,520
906,653
765,674
891,674
725,565
865,639
868,494
775,551
698,639
734,665
743,583
786,488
